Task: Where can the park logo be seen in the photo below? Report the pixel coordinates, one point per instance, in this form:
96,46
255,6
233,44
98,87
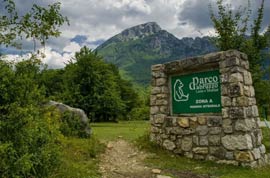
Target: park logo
178,91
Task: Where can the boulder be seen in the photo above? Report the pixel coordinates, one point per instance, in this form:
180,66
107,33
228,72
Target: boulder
62,108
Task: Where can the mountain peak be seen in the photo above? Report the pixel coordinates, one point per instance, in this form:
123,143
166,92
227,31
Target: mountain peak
139,31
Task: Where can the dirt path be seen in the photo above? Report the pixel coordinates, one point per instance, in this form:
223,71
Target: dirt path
122,160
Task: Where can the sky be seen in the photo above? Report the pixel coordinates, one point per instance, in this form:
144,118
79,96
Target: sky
94,21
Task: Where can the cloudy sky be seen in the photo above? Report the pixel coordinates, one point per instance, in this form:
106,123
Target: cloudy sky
94,21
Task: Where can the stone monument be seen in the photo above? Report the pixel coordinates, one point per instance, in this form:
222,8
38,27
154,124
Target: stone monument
205,108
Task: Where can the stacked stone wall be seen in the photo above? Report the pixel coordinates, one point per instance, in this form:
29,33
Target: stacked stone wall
232,136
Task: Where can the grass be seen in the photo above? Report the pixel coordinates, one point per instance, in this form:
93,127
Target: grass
128,130
80,158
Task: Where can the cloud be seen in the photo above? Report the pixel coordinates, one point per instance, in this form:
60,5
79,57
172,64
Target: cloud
94,21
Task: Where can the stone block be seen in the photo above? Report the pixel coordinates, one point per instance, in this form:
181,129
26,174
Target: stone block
217,151
154,109
226,101
242,101
228,129
214,140
155,90
168,144
262,149
186,144
198,157
236,77
245,125
236,112
229,155
236,89
161,81
183,122
157,67
195,140
203,141
256,153
244,156
225,112
162,102
202,130
214,130
200,150
202,120
214,121
247,78
229,162
159,118
237,142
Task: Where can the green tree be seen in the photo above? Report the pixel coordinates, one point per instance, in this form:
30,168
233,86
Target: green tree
90,84
29,133
39,23
232,28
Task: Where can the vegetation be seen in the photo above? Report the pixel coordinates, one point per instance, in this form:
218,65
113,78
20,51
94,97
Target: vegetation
30,137
232,27
79,158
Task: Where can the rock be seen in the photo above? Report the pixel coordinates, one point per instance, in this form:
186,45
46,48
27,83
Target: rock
156,171
109,145
200,150
183,122
214,121
237,142
244,156
202,120
214,140
162,176
203,141
202,130
76,111
228,162
256,153
245,125
161,81
186,144
169,145
236,77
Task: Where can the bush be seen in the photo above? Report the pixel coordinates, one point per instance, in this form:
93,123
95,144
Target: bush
139,113
71,125
30,137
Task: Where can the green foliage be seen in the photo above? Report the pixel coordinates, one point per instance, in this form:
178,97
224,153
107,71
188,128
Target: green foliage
232,28
97,88
39,23
71,125
79,158
29,134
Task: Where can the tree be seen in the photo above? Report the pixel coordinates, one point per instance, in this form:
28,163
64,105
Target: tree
91,84
233,33
29,132
39,23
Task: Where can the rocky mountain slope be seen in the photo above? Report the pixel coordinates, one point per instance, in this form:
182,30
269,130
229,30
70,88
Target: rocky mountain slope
137,48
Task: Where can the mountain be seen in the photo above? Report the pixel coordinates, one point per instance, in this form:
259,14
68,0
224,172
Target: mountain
135,49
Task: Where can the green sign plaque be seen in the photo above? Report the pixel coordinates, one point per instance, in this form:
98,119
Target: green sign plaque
196,93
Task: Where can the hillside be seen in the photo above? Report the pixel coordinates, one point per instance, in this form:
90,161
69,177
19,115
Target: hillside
137,48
